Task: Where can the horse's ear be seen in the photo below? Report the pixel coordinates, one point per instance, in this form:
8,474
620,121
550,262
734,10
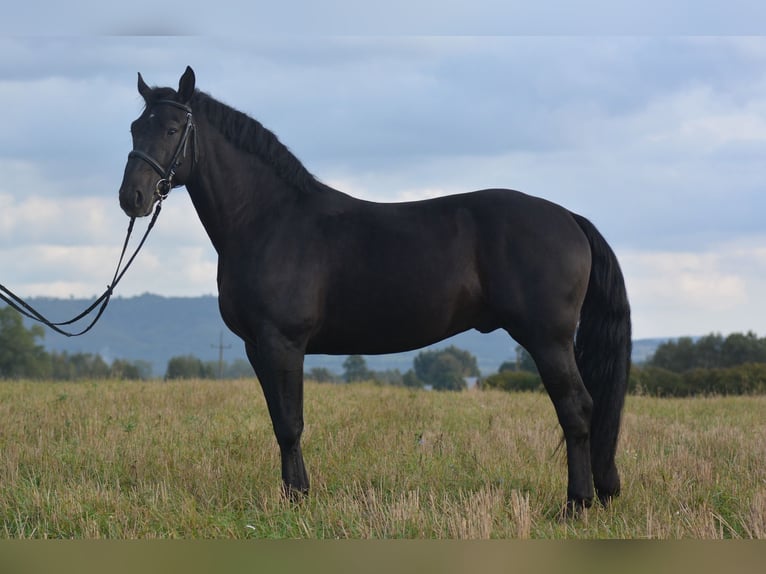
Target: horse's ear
186,86
143,89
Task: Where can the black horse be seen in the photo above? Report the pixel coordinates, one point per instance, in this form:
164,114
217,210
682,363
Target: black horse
304,268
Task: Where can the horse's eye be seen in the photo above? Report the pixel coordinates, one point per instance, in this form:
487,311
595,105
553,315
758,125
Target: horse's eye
172,131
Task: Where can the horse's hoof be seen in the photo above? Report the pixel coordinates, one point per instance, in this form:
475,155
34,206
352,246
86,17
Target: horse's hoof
605,498
296,495
574,508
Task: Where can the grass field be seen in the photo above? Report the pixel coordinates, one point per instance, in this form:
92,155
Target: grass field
198,460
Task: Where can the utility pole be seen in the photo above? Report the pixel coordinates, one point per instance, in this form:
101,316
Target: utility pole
220,346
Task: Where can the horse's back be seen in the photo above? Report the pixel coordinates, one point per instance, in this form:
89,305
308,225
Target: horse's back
403,275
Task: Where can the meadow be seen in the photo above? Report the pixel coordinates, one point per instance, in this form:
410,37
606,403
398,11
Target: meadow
197,459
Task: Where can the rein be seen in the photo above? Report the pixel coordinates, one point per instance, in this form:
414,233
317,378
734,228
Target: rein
161,191
17,303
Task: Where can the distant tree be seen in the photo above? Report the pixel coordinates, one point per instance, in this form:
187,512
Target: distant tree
322,375
79,366
189,367
738,349
676,356
20,355
523,362
60,367
513,380
125,370
388,377
238,369
88,366
355,369
443,369
658,381
446,374
745,379
709,352
410,379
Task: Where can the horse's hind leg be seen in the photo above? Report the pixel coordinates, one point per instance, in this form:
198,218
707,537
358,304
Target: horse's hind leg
573,405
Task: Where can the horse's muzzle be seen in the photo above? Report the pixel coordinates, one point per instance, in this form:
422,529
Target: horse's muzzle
135,203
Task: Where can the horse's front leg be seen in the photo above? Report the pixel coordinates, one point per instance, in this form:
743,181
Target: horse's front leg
279,366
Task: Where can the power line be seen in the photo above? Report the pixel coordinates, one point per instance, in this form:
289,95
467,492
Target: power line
220,346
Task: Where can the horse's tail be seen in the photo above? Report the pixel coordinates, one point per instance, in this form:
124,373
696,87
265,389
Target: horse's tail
602,350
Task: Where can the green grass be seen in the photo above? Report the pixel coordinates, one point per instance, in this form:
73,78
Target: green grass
198,460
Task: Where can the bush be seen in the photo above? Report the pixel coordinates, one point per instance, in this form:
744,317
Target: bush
657,382
322,375
188,367
410,379
513,381
355,369
747,379
443,369
20,355
523,362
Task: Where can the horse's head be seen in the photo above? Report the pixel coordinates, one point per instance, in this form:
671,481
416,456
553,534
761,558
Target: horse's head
163,146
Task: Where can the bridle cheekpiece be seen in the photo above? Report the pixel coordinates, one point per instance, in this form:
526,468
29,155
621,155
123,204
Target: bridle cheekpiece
165,183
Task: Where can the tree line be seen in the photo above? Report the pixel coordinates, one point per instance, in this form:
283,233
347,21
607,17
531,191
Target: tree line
713,364
22,357
442,370
709,365
712,351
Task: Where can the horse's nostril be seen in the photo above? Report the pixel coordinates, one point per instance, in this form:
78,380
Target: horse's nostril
139,198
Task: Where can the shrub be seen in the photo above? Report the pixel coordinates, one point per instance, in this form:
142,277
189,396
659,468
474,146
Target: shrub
513,381
746,379
188,367
657,382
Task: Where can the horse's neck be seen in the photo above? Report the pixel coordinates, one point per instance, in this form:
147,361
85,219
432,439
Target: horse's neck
235,190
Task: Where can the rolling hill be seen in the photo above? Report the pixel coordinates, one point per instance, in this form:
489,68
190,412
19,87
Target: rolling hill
155,328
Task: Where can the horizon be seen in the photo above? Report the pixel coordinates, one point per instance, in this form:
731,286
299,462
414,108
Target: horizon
85,301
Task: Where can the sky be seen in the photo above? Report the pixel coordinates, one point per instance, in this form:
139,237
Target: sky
659,139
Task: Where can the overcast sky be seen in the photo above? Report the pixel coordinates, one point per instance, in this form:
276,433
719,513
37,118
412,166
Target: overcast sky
659,140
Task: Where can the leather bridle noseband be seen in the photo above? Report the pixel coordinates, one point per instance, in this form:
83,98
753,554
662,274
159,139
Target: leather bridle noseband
165,183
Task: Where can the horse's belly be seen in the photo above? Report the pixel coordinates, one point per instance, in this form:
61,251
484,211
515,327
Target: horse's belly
391,322
380,343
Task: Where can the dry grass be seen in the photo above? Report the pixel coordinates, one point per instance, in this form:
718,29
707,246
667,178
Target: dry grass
198,460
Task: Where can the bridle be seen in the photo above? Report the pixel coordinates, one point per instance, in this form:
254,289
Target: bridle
165,183
161,191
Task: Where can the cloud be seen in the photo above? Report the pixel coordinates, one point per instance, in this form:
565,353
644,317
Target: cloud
675,293
694,278
658,140
431,17
62,221
63,247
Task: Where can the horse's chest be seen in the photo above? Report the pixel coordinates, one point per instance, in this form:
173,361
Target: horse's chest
236,302
276,296
232,314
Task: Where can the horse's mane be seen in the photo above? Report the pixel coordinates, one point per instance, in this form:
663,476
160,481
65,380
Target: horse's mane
250,136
